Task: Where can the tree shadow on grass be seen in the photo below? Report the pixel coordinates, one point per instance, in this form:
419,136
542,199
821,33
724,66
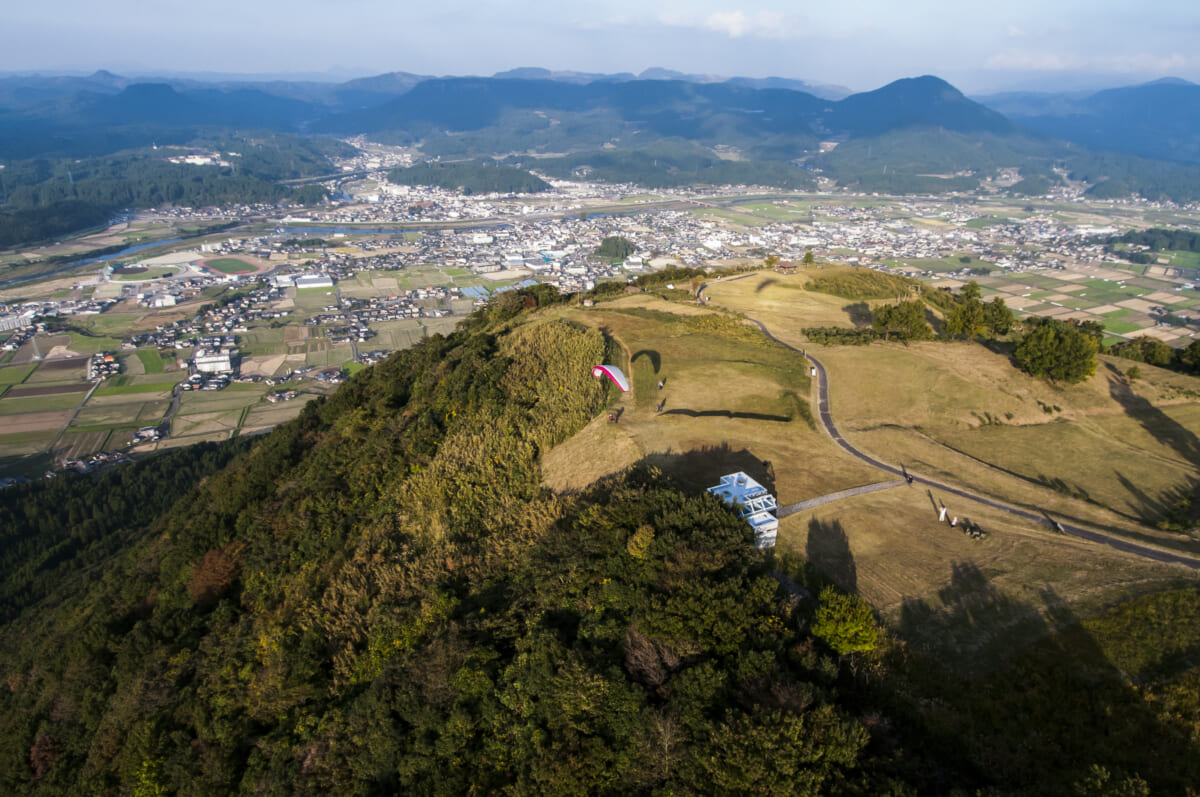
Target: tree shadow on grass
1162,426
970,622
828,550
701,468
751,416
1173,507
1019,696
650,354
860,314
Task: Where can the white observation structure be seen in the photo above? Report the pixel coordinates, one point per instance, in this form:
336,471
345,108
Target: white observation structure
753,503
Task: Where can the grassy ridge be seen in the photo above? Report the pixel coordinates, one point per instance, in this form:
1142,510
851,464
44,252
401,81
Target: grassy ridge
863,284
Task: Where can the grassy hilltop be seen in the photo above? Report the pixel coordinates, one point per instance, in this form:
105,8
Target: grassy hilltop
456,575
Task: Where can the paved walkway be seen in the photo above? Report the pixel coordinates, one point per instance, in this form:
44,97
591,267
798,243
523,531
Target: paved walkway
792,509
1072,530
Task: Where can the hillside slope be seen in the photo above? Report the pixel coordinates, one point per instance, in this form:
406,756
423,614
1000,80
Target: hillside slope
381,598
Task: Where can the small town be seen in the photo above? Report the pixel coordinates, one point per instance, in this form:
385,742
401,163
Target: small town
300,300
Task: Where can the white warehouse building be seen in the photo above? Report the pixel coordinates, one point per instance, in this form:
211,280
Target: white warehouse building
220,361
314,281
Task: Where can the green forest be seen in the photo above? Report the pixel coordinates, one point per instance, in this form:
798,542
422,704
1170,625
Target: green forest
669,163
380,597
44,199
1158,239
471,178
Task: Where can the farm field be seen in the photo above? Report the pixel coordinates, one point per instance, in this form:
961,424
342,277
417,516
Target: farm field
1093,293
12,375
126,414
73,369
152,362
38,404
937,265
20,444
265,415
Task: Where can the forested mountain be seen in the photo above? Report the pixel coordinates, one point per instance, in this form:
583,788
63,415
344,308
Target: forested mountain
915,135
470,178
1159,120
46,199
679,108
379,597
669,163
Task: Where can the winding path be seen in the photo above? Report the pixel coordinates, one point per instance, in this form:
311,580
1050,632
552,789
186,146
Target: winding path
1070,529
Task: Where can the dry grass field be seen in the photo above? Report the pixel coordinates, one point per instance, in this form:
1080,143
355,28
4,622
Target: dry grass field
205,423
1106,451
972,602
79,444
732,403
957,412
264,416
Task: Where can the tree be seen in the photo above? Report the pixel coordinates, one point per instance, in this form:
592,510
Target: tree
997,317
1099,782
616,247
1057,350
808,258
1190,356
845,622
905,320
1145,349
966,319
970,317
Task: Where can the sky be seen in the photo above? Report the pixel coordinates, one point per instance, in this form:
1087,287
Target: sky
859,44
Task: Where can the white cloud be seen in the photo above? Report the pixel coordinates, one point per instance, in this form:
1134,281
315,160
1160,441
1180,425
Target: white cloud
1025,60
731,23
737,24
1130,63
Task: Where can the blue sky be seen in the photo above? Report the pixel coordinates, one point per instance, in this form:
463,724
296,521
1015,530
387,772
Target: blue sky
861,44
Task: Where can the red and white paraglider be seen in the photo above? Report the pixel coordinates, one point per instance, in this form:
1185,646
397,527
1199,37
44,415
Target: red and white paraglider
614,373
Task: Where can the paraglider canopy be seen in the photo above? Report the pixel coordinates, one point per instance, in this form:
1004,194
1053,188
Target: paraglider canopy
614,373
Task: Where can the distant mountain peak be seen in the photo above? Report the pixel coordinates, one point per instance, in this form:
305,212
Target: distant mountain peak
930,86
149,89
925,101
1170,81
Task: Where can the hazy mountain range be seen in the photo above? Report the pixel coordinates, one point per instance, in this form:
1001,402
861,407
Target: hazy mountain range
58,114
658,129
